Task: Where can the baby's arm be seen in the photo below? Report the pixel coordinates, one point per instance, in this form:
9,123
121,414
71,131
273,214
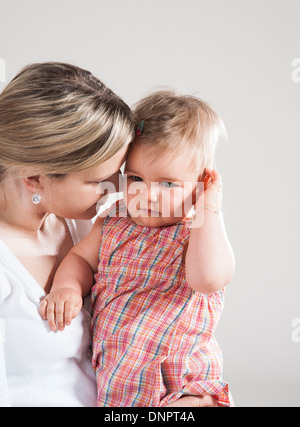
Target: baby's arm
73,280
209,258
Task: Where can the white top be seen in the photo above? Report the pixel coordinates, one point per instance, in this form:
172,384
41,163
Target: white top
39,367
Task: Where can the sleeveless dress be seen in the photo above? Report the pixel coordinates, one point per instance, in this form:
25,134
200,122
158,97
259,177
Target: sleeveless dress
152,334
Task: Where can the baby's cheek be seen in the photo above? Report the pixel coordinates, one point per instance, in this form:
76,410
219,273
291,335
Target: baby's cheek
186,200
172,202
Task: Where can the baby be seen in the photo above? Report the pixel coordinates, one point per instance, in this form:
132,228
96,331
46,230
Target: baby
158,279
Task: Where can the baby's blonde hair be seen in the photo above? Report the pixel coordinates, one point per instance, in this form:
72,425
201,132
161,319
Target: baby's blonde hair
58,119
183,123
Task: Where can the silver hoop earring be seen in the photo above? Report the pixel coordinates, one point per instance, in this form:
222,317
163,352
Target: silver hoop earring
36,199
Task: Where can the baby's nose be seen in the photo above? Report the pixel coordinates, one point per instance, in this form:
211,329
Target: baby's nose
153,193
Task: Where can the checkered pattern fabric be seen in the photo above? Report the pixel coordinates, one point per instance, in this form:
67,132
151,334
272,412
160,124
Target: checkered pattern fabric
152,334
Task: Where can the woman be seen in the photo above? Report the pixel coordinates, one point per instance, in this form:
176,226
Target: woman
62,132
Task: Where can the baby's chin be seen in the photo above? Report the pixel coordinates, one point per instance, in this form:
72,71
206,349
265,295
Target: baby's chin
153,221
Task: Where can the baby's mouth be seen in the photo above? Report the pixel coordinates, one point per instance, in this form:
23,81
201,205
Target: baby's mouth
149,213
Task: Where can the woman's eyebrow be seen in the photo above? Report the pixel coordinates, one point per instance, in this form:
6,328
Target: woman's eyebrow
100,179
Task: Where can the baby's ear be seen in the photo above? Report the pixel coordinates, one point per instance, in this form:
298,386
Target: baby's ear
205,177
206,181
202,175
197,191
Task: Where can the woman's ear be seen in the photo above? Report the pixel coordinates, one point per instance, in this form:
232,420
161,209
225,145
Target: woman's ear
31,182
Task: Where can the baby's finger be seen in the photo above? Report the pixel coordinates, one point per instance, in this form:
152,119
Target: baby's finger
43,309
69,310
51,315
59,311
216,181
77,309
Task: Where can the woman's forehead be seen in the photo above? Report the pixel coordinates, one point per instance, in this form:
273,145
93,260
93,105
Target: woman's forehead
103,170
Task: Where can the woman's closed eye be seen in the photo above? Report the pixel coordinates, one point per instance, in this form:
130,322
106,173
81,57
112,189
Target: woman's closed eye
135,178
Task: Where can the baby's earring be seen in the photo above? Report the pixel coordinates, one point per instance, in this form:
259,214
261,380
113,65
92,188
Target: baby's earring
36,199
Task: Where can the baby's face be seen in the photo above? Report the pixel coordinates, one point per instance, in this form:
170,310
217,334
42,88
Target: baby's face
159,191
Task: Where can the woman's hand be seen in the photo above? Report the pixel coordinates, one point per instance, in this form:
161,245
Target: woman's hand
60,307
205,401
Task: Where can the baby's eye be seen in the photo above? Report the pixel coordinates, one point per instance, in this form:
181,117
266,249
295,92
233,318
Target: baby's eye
168,184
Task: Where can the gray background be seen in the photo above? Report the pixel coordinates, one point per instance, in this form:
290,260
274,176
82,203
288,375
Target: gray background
236,54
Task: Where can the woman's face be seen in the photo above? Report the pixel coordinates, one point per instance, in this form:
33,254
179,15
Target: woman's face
76,195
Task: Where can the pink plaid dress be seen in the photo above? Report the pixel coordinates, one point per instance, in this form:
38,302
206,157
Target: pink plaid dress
152,334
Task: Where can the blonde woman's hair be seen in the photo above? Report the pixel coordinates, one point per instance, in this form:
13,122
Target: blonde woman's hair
183,123
59,119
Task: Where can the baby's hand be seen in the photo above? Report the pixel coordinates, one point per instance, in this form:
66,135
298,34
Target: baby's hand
213,196
60,307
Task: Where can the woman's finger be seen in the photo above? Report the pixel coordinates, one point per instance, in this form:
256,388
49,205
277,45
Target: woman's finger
195,401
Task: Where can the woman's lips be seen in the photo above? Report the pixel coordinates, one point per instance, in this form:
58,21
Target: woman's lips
101,202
